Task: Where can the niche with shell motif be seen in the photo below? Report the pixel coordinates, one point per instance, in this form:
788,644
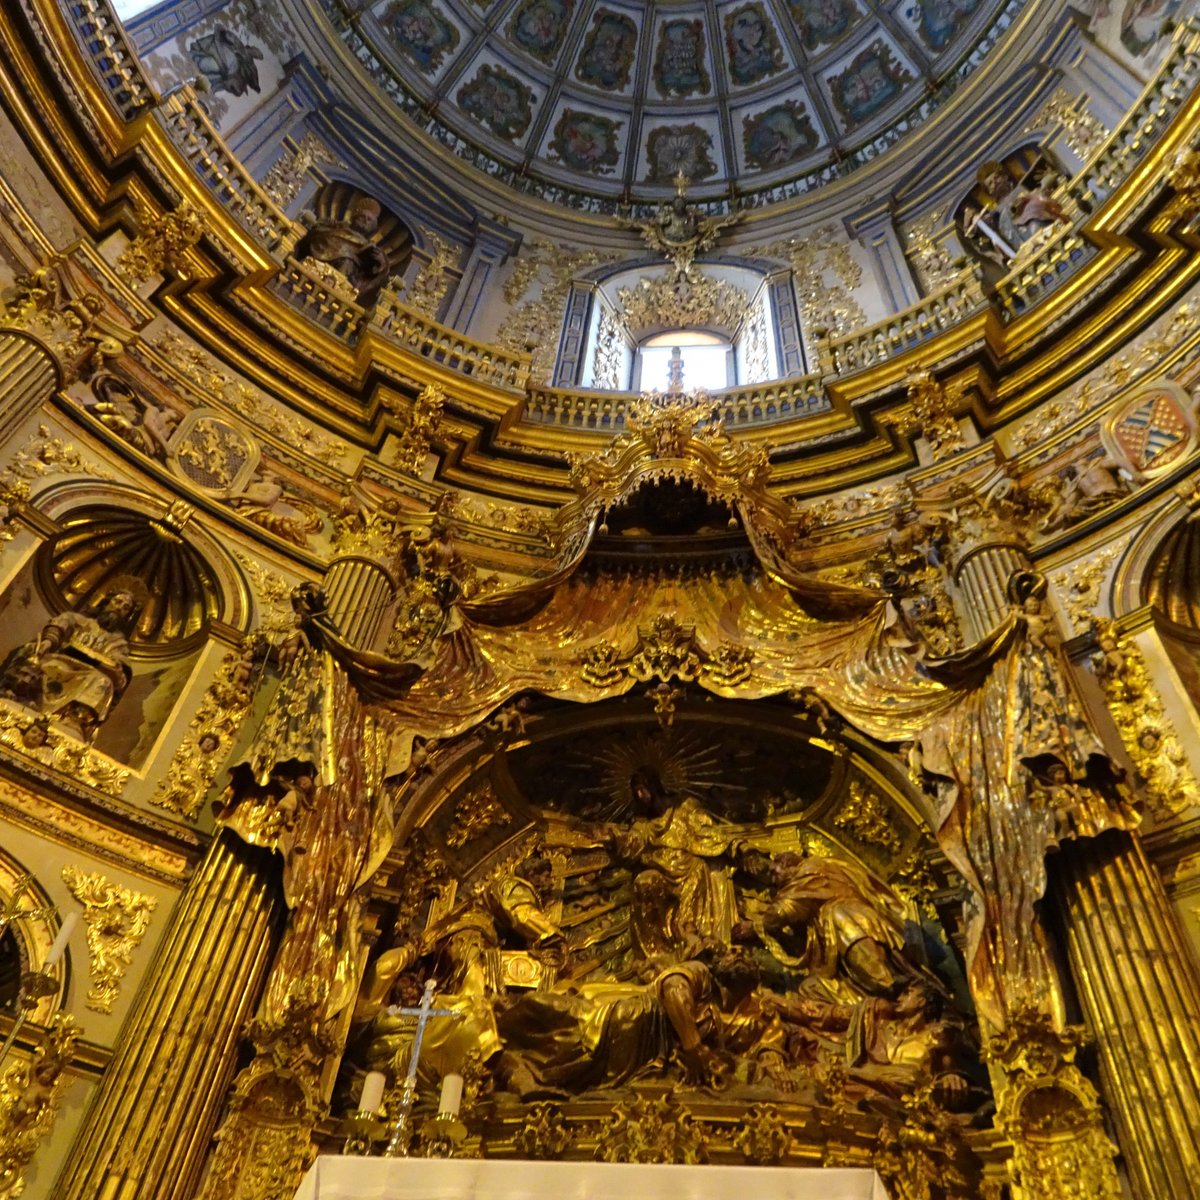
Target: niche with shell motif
102,627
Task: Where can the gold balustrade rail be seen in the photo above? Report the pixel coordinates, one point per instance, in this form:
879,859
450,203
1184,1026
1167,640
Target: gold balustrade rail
115,63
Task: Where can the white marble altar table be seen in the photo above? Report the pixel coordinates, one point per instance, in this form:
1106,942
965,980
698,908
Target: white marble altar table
349,1178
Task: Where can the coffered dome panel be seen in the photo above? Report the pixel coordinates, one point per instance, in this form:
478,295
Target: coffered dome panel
614,97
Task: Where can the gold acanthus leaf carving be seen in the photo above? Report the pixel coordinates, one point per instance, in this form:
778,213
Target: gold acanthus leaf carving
866,818
289,172
44,455
543,1133
645,1130
422,423
1146,731
533,324
935,265
117,919
934,407
474,815
272,593
160,244
816,258
13,496
30,1096
41,304
683,302
1081,585
432,281
1082,131
25,732
211,732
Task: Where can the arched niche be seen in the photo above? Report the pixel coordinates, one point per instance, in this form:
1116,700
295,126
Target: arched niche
26,943
1007,207
1160,572
522,800
110,538
353,232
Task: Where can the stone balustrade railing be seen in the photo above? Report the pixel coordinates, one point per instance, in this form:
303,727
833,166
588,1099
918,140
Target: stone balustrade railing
193,134
752,404
449,348
1033,279
1132,139
101,37
905,330
323,304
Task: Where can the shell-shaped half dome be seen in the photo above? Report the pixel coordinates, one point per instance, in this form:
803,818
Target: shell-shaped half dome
102,550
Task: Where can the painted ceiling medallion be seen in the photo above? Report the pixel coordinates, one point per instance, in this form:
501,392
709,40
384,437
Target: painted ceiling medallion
623,94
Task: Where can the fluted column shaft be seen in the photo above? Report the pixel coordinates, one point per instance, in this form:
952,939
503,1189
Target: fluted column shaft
1141,993
981,580
360,593
28,378
150,1123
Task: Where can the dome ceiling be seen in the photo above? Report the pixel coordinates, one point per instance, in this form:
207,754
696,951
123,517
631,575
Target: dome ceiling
613,97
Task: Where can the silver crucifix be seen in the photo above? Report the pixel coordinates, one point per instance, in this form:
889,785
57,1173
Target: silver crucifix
397,1146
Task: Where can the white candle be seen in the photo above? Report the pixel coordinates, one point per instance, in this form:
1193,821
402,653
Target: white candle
371,1096
60,942
451,1101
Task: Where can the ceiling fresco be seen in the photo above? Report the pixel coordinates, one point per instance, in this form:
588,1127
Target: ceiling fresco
614,97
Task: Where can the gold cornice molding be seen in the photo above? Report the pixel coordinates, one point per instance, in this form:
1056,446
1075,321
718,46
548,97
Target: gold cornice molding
496,451
104,829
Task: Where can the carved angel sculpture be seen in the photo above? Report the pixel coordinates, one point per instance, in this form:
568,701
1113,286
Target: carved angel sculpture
677,233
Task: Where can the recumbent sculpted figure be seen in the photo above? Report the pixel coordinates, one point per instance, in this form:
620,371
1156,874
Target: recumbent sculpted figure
711,963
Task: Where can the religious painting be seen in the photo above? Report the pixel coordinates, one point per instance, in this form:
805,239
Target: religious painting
754,50
539,27
228,63
939,21
672,149
586,142
824,22
607,54
1153,431
778,136
679,60
1142,23
422,32
872,80
498,100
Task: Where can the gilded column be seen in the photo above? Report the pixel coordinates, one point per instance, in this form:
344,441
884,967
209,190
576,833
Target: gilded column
1141,993
986,547
981,576
360,593
332,810
147,1133
28,378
